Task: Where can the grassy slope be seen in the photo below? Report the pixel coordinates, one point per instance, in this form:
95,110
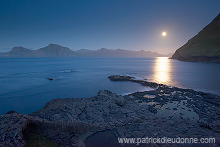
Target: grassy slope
205,43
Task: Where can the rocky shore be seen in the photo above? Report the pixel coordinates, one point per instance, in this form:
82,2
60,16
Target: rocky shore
100,120
215,59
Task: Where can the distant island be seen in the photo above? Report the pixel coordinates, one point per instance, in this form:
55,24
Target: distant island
204,47
55,50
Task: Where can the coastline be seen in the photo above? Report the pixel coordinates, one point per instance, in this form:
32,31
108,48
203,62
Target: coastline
164,111
204,59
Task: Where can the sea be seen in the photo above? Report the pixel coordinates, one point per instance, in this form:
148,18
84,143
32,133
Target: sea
25,88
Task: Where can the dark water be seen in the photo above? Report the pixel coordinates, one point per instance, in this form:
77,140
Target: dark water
24,87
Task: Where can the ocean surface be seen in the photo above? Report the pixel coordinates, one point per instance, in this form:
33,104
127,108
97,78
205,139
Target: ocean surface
24,86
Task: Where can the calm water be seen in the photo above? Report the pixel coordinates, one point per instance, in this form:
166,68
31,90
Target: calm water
24,87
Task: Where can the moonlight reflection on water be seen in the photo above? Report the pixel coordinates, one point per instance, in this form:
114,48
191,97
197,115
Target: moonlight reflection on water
162,70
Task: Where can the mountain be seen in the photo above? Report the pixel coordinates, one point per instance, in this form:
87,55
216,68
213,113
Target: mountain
117,53
52,50
17,52
204,47
55,50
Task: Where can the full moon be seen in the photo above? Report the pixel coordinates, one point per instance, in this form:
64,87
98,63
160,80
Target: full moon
164,34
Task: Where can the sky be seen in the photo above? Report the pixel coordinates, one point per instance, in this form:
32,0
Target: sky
95,24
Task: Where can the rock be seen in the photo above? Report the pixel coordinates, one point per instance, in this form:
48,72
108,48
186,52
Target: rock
12,112
50,79
119,100
104,139
57,117
132,79
204,124
11,126
120,78
105,93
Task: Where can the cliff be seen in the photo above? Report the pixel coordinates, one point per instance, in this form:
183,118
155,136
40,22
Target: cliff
204,47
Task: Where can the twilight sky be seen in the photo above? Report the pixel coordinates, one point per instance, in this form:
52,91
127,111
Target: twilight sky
95,24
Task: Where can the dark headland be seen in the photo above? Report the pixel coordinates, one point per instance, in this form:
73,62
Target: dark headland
204,47
100,120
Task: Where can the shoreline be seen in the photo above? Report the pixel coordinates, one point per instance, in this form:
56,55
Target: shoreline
163,111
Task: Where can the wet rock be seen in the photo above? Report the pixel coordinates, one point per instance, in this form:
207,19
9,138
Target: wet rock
120,78
132,79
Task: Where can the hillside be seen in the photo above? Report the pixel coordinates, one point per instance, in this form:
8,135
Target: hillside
204,47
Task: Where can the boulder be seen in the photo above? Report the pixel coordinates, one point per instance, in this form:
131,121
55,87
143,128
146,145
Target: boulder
117,99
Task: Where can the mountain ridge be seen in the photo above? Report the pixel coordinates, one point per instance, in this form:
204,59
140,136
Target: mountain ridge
55,50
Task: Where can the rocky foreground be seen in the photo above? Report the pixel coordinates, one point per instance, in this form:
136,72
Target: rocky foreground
100,120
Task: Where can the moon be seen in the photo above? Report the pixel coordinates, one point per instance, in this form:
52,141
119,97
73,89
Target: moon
164,34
